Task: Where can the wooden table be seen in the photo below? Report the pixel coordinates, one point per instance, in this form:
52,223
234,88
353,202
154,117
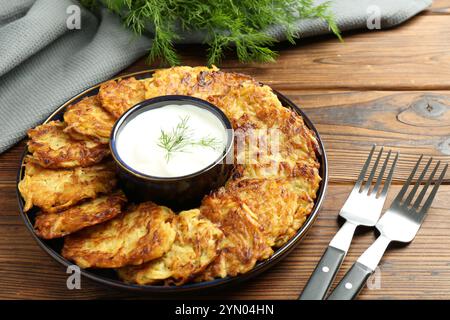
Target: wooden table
389,87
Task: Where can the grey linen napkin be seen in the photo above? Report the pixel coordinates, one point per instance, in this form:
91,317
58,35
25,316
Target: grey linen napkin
43,62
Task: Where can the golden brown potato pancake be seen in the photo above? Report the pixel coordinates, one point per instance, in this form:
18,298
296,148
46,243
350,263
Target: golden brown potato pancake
88,119
51,147
119,96
196,246
252,105
142,233
285,203
49,225
244,243
200,82
275,139
255,105
56,190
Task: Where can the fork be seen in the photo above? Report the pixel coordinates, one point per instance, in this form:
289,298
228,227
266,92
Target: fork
363,207
400,223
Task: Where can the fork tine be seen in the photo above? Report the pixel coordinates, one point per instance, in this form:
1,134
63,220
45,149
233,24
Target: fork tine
400,195
430,199
362,174
418,182
372,172
424,189
388,181
380,176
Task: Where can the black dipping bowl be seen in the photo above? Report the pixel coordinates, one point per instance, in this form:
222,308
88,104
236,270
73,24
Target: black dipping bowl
109,278
178,193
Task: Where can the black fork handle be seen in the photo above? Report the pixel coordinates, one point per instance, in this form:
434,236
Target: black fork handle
352,283
323,275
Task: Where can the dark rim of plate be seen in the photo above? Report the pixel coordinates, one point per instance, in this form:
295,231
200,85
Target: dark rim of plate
109,277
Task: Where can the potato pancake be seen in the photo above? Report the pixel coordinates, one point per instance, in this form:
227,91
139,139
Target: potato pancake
58,224
51,147
56,190
244,243
119,96
251,105
271,140
196,246
142,233
88,119
284,199
200,82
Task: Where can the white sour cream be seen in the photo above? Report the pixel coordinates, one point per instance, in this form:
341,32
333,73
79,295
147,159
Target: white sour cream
141,146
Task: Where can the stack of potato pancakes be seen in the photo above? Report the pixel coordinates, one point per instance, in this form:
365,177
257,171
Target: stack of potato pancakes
70,180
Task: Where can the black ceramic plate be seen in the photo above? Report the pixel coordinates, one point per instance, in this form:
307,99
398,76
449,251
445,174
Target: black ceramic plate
108,276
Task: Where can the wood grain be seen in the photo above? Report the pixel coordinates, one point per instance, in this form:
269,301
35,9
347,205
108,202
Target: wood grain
391,59
349,122
389,87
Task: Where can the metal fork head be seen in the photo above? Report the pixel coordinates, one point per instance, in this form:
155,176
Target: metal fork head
405,216
364,205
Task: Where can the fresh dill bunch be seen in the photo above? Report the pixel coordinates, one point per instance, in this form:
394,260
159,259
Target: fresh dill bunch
239,24
180,137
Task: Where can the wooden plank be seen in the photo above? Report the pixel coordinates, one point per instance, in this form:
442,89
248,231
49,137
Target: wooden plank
349,122
9,163
418,271
391,59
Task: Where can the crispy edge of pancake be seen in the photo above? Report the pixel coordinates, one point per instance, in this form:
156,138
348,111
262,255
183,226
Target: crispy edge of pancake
243,244
56,190
58,224
117,96
87,118
142,233
51,147
196,246
200,82
174,80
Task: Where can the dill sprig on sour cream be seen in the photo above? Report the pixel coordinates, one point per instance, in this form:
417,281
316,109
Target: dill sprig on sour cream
180,138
